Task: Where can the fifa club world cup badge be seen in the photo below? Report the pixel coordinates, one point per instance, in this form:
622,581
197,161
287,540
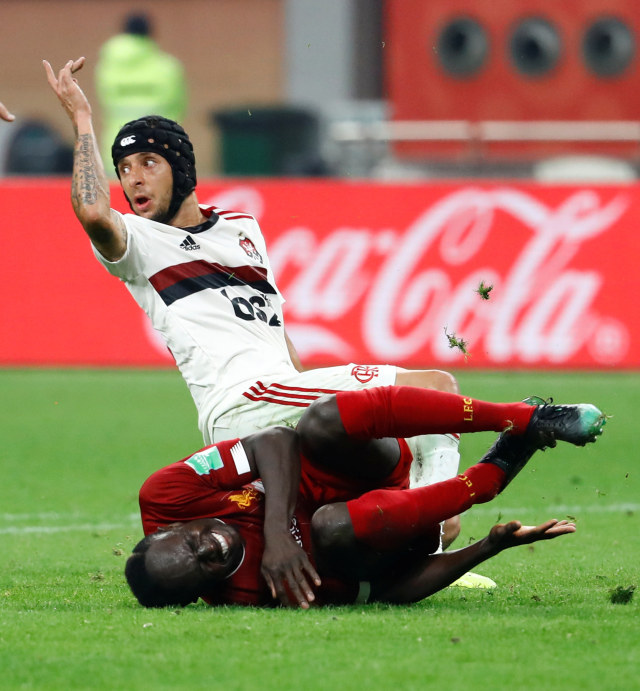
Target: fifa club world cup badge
250,248
364,373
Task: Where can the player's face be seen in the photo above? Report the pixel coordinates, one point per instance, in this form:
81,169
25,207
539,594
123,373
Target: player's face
194,556
147,180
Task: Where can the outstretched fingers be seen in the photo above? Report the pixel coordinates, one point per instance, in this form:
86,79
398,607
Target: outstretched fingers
67,89
77,64
64,74
553,528
297,579
300,583
545,531
51,77
511,534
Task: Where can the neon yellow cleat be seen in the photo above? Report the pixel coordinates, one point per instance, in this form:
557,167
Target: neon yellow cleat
474,580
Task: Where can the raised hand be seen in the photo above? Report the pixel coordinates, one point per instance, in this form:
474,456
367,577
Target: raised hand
67,88
505,535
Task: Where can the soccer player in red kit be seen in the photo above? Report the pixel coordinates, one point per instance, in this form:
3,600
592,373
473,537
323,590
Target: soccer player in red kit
323,513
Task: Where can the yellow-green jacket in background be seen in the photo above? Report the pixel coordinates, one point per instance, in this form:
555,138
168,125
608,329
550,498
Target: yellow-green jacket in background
135,78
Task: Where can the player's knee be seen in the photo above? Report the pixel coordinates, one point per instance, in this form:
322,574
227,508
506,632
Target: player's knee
446,382
428,379
320,424
331,529
450,531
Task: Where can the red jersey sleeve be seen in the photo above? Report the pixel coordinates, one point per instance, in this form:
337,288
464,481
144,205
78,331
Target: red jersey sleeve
195,487
223,465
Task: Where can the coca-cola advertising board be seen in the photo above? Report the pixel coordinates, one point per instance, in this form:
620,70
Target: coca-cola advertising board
419,275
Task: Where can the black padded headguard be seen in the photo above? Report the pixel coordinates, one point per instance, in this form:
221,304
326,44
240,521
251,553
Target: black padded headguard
166,138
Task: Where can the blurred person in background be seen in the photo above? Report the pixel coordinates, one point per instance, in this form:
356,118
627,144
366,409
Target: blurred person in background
134,77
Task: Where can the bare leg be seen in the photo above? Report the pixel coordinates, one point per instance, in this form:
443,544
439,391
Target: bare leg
427,379
450,531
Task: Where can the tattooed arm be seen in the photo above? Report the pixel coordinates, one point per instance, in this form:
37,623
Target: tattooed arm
89,188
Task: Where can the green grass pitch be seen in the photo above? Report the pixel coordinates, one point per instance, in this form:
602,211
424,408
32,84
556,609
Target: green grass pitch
76,445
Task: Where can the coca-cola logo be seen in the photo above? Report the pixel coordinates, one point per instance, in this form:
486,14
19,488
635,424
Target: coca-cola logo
389,294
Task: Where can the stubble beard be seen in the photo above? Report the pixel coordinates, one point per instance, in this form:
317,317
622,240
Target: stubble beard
161,215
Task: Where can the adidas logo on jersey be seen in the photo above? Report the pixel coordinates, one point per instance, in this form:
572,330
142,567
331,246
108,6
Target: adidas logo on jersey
189,244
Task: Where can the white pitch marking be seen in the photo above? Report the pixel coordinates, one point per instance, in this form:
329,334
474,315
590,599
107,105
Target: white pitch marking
556,508
53,516
79,527
134,519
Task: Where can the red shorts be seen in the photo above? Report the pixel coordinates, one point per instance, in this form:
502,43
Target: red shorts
319,486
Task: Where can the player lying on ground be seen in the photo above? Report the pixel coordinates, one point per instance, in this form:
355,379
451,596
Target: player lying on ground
332,511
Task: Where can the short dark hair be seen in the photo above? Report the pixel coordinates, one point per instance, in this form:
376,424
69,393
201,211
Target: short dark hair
137,24
148,591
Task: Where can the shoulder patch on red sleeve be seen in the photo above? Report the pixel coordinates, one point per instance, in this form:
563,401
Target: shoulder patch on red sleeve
224,464
204,461
239,456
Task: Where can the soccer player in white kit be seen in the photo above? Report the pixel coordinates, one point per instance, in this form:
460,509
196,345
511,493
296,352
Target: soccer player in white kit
202,275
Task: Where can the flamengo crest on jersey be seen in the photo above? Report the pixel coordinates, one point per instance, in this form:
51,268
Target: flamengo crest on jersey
250,249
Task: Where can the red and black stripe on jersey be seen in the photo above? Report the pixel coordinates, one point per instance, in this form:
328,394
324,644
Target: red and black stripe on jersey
181,280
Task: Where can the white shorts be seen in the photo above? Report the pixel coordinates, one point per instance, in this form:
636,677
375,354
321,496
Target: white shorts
283,399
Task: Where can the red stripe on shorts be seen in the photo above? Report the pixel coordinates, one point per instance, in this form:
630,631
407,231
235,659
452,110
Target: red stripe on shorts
284,387
268,399
285,395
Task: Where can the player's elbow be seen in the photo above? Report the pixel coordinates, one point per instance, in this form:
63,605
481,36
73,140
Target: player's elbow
90,208
445,381
95,221
109,242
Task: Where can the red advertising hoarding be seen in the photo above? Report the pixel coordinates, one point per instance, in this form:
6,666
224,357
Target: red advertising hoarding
372,273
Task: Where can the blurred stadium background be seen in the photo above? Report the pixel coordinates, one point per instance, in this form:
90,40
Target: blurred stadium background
397,154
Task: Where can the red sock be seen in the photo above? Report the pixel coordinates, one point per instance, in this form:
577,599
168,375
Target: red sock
387,518
409,411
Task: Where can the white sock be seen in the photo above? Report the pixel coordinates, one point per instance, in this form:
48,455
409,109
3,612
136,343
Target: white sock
436,457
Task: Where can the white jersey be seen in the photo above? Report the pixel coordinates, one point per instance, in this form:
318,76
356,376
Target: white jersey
211,294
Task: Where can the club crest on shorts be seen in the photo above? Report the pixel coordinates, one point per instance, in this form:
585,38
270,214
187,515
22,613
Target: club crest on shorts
364,373
250,248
